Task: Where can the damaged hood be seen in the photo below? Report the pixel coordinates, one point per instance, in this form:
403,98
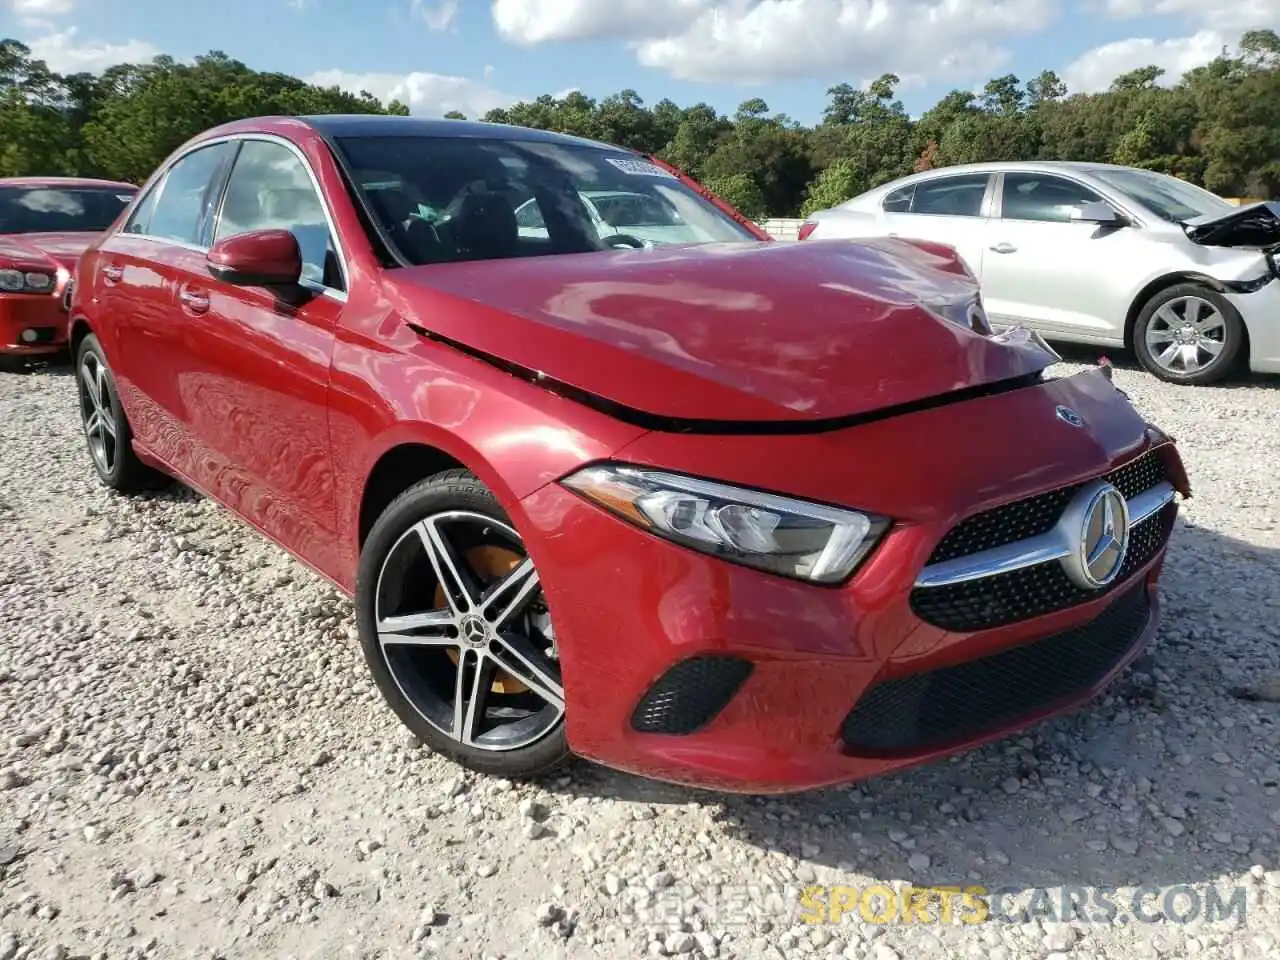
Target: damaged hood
754,332
1255,225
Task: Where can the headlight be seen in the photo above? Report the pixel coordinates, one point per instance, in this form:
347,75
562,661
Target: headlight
794,538
16,281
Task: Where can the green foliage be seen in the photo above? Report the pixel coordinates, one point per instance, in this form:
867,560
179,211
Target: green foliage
1218,126
123,123
841,181
740,191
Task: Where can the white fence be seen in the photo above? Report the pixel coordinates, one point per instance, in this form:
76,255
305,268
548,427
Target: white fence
782,228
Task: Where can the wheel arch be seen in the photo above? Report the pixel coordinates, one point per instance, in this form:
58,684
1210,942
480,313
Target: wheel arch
78,330
397,469
1164,282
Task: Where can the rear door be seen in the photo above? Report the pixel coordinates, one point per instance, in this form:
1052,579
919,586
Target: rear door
139,269
951,209
258,366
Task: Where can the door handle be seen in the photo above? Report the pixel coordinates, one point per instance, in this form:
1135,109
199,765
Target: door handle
1004,248
112,273
193,300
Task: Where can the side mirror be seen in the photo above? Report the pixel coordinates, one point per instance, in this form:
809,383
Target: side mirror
1100,212
259,258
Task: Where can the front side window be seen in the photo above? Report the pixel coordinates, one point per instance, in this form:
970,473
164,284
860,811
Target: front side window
446,199
1048,199
959,196
182,209
270,189
1167,197
61,209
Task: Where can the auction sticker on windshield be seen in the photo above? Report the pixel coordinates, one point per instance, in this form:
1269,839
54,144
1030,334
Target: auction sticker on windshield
640,168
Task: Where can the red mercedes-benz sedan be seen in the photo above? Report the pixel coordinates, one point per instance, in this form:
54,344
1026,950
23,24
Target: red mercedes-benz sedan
45,224
750,515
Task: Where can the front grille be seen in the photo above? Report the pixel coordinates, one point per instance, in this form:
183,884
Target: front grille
1032,591
1033,516
935,708
995,601
690,694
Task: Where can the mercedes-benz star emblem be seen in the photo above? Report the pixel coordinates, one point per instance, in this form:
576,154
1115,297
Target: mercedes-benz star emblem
1067,415
474,631
1097,520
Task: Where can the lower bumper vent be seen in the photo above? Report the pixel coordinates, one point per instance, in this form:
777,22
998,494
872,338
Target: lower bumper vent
931,709
690,694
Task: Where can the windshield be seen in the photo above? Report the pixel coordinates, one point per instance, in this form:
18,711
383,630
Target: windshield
1167,197
61,209
443,199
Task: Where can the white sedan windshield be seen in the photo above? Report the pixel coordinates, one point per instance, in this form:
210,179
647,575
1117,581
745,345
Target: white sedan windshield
1167,197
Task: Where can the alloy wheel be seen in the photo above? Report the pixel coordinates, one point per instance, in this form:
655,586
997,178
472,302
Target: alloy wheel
1186,335
465,633
97,411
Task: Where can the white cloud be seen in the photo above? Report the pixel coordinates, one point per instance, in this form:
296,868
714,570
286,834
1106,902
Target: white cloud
530,22
426,94
749,41
65,52
1225,15
1216,25
38,9
439,15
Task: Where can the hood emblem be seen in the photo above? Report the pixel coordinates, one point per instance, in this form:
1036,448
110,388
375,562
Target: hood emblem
1097,522
1067,415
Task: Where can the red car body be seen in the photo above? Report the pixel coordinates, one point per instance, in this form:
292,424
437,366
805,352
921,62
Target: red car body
845,374
33,322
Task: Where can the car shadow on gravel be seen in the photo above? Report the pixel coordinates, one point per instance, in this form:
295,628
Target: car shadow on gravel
1168,778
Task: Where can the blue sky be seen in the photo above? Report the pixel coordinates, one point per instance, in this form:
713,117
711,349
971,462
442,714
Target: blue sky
475,54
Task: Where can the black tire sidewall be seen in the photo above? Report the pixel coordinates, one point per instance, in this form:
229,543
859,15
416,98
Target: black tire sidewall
118,476
451,490
1221,366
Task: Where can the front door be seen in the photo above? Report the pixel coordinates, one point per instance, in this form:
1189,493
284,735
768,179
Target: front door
257,386
1043,268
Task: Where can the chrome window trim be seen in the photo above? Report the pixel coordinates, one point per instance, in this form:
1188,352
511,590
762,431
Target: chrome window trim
330,292
1033,551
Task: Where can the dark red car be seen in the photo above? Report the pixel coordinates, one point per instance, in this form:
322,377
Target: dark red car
45,224
751,515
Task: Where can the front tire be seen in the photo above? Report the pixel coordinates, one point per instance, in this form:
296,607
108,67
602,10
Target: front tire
106,428
455,630
1189,334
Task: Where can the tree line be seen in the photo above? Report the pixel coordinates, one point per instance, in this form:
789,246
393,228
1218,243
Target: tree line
1217,126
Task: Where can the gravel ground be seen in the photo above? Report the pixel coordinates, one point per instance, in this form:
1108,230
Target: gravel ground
193,763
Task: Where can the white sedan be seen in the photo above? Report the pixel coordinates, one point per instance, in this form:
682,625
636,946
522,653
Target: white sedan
1098,254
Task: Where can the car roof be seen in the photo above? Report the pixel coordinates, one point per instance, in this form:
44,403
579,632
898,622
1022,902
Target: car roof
379,125
993,166
64,182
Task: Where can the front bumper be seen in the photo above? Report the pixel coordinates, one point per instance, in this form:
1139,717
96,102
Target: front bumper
681,667
1260,311
32,324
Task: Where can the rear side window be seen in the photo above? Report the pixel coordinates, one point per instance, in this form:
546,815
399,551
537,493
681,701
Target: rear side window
181,210
959,196
899,201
